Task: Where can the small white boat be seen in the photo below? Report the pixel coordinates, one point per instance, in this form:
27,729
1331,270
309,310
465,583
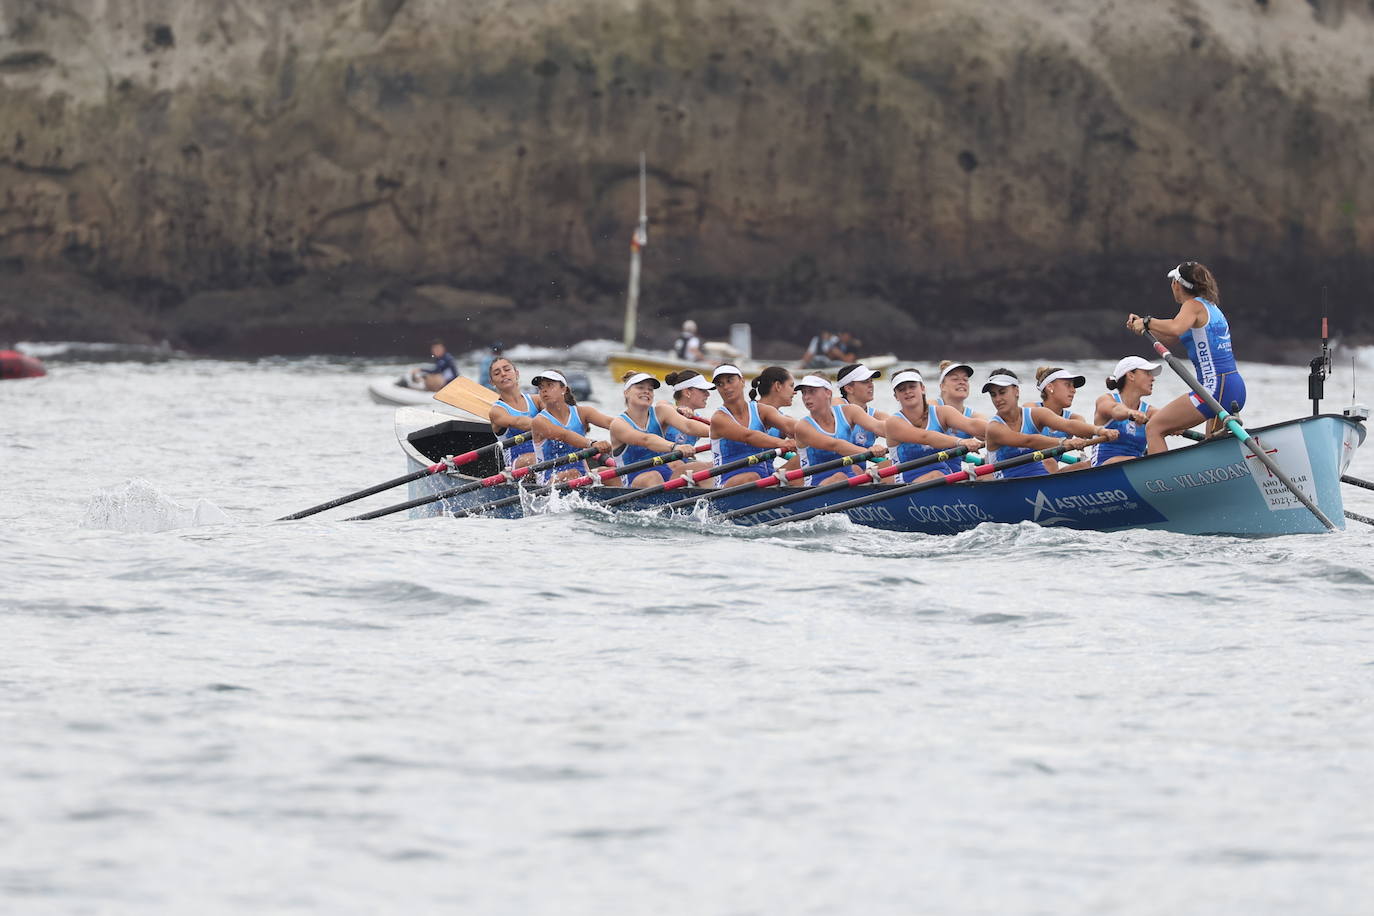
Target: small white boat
394,392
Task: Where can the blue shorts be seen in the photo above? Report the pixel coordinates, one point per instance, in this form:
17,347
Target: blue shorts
664,474
1230,389
759,469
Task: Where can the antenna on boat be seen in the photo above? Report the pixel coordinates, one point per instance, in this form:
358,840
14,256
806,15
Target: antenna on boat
637,243
1320,365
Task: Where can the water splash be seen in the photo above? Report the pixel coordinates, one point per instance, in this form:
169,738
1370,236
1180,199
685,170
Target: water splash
140,506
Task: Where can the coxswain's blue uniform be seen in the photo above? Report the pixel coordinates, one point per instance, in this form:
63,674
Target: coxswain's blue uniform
1130,439
508,455
1214,362
1030,468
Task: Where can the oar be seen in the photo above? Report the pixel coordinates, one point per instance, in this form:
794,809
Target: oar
773,479
1234,425
904,489
696,477
1358,517
573,483
493,480
447,464
468,395
857,480
1346,478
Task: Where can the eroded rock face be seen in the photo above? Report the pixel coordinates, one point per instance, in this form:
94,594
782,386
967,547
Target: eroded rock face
946,173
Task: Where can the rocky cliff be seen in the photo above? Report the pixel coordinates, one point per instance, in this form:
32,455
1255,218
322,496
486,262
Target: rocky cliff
969,176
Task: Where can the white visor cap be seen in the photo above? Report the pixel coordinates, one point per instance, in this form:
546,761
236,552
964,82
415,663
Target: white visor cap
908,375
726,369
1175,275
952,366
549,375
640,377
1135,362
1000,381
815,381
860,373
696,381
1078,380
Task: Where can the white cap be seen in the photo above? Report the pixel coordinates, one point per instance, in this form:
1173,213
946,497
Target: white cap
952,366
856,372
815,381
1056,375
1175,275
726,369
1001,381
696,381
549,375
906,375
1135,362
640,377
689,326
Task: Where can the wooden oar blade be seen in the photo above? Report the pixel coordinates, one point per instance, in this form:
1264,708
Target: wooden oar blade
465,394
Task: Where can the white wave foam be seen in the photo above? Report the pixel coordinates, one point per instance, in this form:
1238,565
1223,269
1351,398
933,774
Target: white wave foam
140,506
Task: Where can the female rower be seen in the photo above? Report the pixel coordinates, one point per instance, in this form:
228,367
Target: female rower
1057,389
1207,337
921,428
954,388
826,432
742,426
561,427
514,411
1015,430
855,385
642,430
1125,409
691,390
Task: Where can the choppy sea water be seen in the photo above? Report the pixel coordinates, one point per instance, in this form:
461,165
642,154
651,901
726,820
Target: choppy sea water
203,710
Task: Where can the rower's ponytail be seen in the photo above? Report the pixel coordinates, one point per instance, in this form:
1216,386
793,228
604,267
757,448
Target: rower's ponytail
1043,372
767,380
682,375
945,364
1112,384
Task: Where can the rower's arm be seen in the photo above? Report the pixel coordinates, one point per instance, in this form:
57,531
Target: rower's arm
1190,315
777,419
809,435
1109,409
724,426
593,417
1000,435
544,428
953,418
668,415
624,432
857,416
1043,416
501,418
899,430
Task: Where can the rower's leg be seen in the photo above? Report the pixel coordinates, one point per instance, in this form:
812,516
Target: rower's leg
1174,417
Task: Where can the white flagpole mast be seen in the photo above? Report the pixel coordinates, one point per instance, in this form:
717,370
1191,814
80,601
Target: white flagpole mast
637,243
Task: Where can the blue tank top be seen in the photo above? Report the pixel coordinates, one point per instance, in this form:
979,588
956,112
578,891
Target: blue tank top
1067,414
958,433
818,455
1130,440
524,448
724,451
678,437
1209,347
555,448
864,438
633,453
1030,469
910,451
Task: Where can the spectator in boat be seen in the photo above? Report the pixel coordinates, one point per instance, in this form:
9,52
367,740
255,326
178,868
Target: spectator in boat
845,349
1206,335
921,427
855,384
1057,389
818,350
493,354
691,390
1123,408
641,431
826,431
443,370
688,344
1015,430
744,426
513,412
562,427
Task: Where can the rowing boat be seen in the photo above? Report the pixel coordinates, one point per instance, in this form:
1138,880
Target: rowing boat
660,364
1212,487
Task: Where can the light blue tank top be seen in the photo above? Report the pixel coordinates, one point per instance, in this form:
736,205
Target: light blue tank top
818,455
1209,347
1130,438
509,455
678,437
910,451
1030,469
1067,414
633,453
958,433
554,448
724,451
864,438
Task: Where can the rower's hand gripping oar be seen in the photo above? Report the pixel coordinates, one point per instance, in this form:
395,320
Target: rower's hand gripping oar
773,479
573,483
697,476
872,476
1234,425
918,486
453,461
493,480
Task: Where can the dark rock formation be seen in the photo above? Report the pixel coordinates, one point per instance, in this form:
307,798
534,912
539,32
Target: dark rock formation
972,176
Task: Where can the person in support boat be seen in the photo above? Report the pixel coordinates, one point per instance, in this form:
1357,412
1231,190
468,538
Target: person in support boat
561,427
688,344
513,412
691,390
1124,409
641,430
920,428
1057,389
443,370
1015,430
855,385
744,426
826,432
1206,335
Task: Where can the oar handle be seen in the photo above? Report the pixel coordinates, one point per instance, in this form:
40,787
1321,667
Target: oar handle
697,477
654,462
771,480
